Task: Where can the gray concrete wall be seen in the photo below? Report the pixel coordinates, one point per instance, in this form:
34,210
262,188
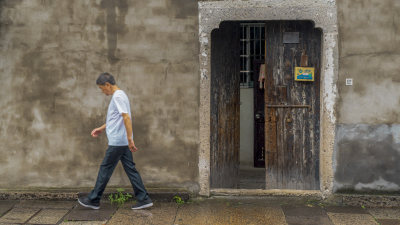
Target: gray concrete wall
367,148
51,53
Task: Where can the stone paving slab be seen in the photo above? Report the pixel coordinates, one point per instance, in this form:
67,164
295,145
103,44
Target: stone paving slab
46,204
48,216
346,209
303,210
18,215
229,212
385,213
305,215
5,206
311,220
81,213
353,219
388,222
84,223
160,213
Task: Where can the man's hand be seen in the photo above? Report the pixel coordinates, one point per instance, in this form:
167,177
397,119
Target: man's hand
95,133
132,146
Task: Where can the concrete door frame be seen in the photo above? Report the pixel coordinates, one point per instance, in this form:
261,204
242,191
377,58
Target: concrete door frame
324,14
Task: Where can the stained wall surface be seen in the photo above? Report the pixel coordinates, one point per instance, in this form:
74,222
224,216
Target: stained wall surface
367,149
51,54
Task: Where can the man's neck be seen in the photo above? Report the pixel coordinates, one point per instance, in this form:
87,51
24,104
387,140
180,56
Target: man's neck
114,88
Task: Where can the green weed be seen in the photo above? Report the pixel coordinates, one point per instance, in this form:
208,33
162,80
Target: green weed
119,198
178,200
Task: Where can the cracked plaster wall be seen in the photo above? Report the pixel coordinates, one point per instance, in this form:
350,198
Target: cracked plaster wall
51,53
367,142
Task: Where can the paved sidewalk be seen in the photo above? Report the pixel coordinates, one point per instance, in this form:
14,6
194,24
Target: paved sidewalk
239,210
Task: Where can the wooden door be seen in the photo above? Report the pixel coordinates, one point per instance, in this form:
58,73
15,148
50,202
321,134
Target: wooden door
259,117
225,105
292,107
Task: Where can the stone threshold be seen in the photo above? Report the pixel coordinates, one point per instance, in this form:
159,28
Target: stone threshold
263,192
353,199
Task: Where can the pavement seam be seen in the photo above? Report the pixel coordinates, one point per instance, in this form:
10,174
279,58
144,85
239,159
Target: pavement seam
33,215
176,214
111,216
326,213
62,219
8,210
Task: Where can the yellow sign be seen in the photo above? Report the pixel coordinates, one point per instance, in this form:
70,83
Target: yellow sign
304,74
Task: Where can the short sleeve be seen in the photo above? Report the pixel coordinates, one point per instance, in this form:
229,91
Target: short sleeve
121,104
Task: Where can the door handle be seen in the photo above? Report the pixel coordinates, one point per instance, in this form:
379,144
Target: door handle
258,116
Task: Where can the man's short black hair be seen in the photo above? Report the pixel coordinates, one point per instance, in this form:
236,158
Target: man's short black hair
105,77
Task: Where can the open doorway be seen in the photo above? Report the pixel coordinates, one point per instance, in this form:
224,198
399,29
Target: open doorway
264,133
252,55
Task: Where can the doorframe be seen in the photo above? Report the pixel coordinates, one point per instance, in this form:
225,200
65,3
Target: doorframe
324,15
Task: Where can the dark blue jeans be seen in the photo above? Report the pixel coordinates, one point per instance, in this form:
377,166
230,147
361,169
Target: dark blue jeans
110,161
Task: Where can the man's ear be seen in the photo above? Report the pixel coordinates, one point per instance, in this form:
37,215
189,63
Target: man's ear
107,84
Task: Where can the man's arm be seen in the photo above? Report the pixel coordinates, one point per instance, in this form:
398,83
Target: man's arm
128,127
98,130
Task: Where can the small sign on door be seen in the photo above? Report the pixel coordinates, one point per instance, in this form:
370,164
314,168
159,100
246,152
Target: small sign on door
304,74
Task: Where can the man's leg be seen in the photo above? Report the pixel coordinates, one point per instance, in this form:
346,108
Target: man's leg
110,161
134,176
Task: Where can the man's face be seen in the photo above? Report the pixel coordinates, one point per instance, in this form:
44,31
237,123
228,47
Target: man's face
106,88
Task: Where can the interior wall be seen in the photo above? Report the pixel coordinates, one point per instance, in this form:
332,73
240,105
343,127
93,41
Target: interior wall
246,127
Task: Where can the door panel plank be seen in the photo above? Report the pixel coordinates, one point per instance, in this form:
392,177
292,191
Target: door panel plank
225,105
293,137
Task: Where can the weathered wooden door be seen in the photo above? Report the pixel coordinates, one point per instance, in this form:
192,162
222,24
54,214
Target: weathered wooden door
225,105
292,107
259,117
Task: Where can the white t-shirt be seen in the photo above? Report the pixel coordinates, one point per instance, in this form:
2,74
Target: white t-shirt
115,127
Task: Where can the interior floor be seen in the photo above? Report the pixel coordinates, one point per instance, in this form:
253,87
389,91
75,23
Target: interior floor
251,178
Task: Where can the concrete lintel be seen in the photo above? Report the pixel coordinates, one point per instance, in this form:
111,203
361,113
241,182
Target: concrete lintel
324,14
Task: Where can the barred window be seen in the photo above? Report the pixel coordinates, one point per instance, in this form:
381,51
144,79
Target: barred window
252,46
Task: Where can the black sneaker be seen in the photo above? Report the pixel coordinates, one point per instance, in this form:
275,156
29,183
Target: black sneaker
142,205
84,201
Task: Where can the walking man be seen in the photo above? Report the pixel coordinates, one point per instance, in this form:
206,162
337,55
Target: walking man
118,127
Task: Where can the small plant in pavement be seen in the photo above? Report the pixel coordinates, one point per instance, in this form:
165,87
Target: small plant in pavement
178,200
119,198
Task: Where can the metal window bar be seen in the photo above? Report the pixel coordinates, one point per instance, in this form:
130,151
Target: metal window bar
252,47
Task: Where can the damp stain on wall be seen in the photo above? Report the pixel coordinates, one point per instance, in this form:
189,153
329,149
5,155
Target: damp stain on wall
367,157
115,12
